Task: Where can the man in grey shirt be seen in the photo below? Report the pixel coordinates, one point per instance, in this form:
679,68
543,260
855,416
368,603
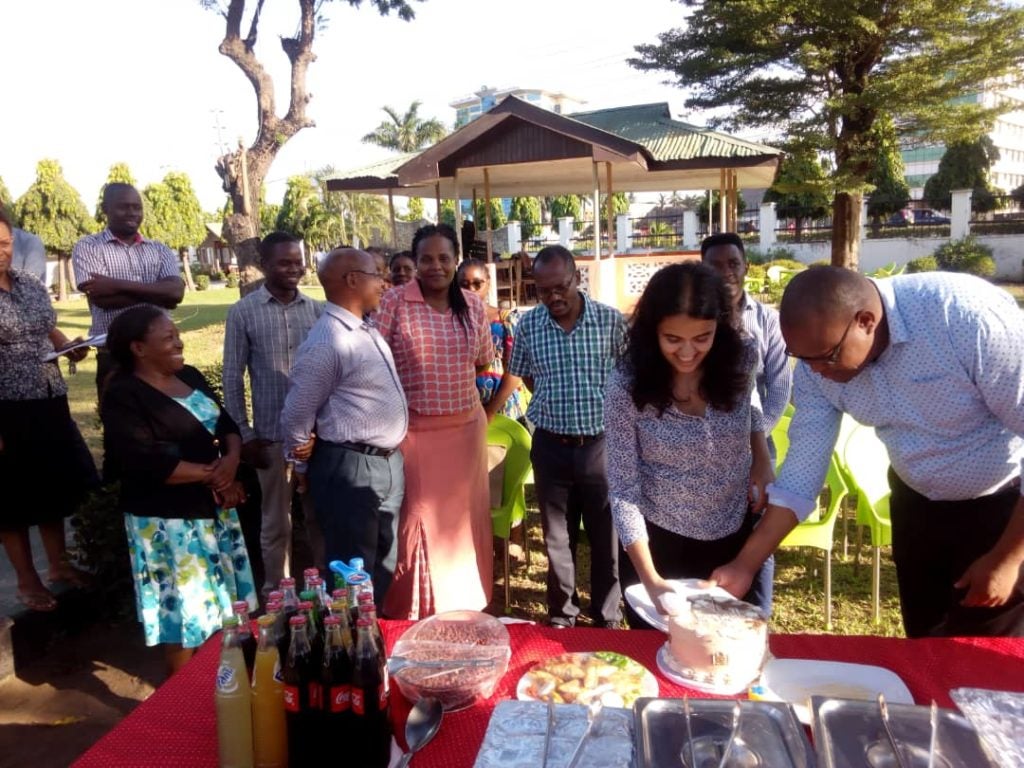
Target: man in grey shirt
29,254
262,335
344,384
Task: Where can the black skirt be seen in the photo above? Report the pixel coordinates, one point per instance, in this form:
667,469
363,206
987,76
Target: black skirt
44,462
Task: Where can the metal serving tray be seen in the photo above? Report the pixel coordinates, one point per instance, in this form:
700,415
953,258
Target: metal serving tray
769,735
850,734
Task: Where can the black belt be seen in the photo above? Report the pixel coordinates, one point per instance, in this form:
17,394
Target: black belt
575,440
369,450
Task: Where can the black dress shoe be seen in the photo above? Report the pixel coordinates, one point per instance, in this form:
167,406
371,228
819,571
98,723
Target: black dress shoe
560,623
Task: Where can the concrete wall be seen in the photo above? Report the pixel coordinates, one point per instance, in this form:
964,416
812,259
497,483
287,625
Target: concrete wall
1008,252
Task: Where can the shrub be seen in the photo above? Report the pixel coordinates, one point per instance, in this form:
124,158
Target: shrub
821,263
310,278
232,280
756,272
922,264
202,282
102,547
966,255
754,255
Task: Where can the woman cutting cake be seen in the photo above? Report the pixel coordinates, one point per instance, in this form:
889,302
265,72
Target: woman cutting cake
687,457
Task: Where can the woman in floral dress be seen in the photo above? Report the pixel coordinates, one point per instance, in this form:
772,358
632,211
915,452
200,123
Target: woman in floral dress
175,451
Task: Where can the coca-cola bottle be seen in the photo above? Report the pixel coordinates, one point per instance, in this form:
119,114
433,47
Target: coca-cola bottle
368,611
336,674
370,702
302,697
245,637
316,639
307,576
339,608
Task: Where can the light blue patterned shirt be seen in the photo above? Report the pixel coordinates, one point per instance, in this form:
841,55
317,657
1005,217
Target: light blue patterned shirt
946,397
344,382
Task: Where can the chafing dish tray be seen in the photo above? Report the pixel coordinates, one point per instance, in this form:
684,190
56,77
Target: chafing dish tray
850,734
768,736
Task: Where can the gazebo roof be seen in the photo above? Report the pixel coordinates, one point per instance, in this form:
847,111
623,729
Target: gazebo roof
527,150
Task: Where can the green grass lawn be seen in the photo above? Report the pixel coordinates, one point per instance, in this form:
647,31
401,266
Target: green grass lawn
799,588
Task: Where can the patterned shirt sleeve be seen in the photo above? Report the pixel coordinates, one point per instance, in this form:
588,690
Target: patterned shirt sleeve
311,382
619,335
989,343
484,343
520,363
387,316
624,492
85,259
778,375
236,358
812,438
168,264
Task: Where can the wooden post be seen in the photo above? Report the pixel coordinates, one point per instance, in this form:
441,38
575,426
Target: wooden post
394,226
437,199
722,223
610,209
597,211
186,270
487,215
458,213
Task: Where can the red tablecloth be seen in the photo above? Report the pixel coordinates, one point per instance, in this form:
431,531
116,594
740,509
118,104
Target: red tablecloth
176,726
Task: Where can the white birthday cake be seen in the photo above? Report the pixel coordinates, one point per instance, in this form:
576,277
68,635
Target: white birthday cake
717,642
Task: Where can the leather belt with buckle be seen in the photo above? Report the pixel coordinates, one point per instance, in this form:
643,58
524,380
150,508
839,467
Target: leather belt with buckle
369,450
574,440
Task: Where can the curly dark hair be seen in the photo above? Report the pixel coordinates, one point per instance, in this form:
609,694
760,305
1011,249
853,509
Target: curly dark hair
695,290
456,300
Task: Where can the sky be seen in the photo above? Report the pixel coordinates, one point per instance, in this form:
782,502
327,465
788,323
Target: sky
90,83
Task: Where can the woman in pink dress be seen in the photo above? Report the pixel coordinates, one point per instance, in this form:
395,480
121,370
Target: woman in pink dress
440,338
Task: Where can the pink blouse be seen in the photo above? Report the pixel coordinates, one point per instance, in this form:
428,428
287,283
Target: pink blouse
436,357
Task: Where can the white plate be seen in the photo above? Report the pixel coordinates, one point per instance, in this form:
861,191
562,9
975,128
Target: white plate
719,690
640,601
648,683
796,680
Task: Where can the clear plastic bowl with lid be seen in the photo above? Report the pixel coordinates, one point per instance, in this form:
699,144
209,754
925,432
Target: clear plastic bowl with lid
448,644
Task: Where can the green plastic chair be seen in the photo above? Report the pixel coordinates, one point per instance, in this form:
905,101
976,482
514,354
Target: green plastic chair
846,427
817,531
512,436
867,465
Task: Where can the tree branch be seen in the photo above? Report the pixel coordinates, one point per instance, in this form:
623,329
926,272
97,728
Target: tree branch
250,40
245,59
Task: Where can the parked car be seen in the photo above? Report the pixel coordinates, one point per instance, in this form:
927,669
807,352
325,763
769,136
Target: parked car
917,217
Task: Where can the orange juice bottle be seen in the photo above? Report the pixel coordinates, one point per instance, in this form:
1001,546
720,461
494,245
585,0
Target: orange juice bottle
270,745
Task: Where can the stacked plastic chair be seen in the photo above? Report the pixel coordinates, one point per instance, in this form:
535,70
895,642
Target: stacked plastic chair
513,437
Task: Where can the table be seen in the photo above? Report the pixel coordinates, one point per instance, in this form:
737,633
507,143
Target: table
176,726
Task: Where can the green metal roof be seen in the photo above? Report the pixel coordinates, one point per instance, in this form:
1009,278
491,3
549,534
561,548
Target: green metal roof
382,169
652,127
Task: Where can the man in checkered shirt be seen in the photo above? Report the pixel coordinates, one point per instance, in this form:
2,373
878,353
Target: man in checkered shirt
119,268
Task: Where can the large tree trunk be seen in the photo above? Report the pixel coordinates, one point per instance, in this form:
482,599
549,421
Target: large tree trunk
63,276
186,270
846,212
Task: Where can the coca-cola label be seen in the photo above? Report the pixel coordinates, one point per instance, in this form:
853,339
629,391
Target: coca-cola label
358,701
291,698
316,696
341,698
227,680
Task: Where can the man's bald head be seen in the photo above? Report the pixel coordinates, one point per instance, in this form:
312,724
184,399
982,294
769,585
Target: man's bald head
351,280
820,293
122,205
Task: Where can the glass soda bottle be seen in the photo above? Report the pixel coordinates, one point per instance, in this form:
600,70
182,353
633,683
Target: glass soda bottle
301,697
270,732
316,639
337,679
233,699
370,702
339,608
369,612
307,577
245,637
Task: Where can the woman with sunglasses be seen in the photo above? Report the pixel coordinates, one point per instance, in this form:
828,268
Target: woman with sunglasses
688,461
500,391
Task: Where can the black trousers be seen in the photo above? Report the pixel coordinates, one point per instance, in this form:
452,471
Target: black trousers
680,557
571,486
933,543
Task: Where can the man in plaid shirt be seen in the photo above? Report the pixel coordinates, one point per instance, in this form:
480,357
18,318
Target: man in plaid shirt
564,351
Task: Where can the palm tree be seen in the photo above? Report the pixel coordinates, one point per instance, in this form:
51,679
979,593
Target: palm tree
406,133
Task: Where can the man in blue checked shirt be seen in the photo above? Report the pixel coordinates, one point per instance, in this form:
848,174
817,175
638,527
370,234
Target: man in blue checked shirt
934,363
564,351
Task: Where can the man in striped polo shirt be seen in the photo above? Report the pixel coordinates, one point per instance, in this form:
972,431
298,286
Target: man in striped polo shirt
564,351
119,268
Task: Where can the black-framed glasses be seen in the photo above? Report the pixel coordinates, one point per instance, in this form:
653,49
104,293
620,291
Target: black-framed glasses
475,285
561,290
832,356
377,275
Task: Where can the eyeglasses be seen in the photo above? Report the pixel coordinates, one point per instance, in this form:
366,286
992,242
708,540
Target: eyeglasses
561,290
832,356
376,275
476,285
